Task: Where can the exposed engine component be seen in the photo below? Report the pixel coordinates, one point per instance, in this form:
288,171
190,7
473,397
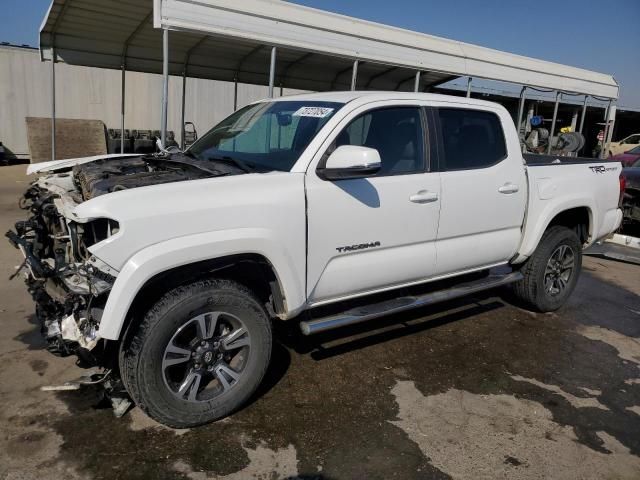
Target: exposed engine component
106,176
61,276
68,284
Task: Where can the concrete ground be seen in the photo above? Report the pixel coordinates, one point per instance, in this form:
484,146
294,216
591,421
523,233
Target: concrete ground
473,389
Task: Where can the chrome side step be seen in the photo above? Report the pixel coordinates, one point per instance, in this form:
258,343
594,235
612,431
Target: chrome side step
396,305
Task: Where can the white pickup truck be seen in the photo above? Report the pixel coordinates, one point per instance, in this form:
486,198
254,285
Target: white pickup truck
168,270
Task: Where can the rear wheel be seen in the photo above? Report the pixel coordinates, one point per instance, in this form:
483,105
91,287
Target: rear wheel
199,353
551,273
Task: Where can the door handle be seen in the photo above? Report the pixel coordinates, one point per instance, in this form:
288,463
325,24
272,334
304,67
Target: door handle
424,196
508,188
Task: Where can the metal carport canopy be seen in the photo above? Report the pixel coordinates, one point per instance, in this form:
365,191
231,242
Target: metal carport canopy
231,39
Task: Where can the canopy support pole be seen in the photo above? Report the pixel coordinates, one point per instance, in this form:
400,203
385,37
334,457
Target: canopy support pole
122,106
574,120
605,142
184,101
521,133
165,86
272,71
354,75
416,86
612,121
584,113
469,87
235,94
553,121
53,103
125,49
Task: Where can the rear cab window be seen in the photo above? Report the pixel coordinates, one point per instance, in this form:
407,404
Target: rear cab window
470,139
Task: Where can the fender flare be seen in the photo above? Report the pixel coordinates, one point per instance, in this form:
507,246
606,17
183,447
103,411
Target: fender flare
181,251
533,233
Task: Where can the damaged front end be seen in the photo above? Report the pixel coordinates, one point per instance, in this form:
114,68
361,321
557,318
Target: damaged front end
68,284
63,269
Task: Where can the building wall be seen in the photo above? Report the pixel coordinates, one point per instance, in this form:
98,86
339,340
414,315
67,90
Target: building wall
94,94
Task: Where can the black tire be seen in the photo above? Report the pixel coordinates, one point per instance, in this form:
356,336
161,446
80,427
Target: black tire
531,290
144,352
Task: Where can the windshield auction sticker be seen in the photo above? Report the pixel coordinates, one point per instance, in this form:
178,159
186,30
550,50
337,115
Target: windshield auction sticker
317,112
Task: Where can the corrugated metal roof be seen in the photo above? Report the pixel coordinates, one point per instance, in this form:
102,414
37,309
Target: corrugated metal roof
228,39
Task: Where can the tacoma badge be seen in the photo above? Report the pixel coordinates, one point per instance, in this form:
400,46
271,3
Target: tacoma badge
361,246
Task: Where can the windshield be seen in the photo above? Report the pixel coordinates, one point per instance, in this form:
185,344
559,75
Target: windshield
265,136
635,150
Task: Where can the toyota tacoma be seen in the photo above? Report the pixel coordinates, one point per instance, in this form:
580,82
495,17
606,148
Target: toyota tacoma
169,270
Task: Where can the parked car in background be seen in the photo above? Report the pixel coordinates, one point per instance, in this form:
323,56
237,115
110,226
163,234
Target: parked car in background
628,158
625,144
631,200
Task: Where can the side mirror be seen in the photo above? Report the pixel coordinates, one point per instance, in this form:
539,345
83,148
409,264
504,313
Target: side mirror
350,161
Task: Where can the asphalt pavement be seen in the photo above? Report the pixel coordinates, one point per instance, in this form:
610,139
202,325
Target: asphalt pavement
471,389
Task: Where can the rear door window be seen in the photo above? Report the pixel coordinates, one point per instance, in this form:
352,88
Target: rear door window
470,138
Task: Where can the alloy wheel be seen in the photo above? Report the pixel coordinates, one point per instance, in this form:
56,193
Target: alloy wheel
206,356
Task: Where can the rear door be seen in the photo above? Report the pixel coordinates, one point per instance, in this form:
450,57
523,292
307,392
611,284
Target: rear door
379,232
483,188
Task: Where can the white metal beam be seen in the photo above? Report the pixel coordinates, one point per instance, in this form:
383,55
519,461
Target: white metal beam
306,29
165,87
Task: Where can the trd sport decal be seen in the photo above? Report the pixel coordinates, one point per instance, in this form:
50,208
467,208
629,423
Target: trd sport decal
602,169
362,246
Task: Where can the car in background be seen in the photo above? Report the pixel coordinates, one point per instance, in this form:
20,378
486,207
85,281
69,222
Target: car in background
624,145
628,158
631,199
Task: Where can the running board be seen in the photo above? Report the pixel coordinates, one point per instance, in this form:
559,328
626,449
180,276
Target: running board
396,305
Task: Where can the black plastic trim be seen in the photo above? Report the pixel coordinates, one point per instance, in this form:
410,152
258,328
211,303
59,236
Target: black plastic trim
333,174
539,160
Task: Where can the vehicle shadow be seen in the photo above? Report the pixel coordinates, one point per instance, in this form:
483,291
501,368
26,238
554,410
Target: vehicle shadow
33,336
387,328
277,369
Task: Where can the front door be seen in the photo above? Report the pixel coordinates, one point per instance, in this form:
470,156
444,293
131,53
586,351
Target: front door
379,232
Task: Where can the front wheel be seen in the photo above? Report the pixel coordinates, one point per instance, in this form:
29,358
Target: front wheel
199,353
551,273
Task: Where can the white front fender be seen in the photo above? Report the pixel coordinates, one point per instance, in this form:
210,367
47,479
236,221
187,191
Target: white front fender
182,251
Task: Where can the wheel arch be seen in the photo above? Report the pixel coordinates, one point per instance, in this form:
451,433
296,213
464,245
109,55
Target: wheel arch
256,262
578,216
579,219
252,270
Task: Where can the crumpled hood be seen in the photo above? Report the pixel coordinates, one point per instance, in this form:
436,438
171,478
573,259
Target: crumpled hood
105,174
57,165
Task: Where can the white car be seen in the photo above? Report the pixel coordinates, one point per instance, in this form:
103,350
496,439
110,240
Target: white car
168,270
624,145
